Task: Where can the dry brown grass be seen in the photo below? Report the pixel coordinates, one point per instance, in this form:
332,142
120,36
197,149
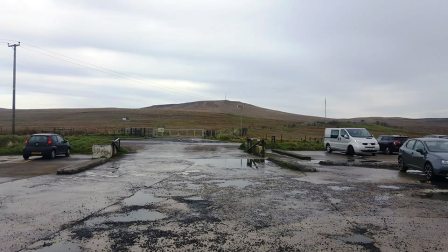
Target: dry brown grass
219,115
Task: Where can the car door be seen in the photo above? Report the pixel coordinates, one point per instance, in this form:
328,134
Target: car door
418,159
407,151
344,140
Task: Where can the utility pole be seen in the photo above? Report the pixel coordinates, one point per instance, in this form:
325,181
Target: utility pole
14,89
325,109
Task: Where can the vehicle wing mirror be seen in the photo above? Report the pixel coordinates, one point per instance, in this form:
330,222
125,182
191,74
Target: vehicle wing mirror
346,137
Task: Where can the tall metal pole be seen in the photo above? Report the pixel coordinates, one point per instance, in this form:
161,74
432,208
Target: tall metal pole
14,89
325,109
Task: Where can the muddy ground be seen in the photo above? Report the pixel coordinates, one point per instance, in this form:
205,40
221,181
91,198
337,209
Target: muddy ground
178,196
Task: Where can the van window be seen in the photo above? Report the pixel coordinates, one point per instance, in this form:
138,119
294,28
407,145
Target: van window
334,133
359,133
344,133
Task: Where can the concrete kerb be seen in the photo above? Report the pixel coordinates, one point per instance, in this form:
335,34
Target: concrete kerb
290,163
75,168
378,165
294,155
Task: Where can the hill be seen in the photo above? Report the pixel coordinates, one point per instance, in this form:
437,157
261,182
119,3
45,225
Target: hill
226,117
234,108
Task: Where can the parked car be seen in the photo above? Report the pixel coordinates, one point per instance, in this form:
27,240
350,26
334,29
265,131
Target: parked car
391,143
436,136
429,155
46,145
350,140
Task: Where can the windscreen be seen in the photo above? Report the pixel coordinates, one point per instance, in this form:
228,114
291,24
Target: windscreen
359,133
437,146
38,139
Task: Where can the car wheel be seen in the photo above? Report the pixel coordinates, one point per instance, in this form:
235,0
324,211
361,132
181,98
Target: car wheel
26,157
52,154
350,150
401,165
429,172
328,148
67,154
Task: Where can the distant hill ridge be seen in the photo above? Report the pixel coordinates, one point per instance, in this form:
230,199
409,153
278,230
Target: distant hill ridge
234,108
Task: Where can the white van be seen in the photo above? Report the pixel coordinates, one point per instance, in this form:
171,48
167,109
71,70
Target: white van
350,140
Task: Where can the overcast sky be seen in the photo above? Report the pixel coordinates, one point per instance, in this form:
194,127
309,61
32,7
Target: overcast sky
368,58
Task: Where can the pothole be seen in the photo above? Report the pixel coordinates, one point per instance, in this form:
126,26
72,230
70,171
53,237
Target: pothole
433,194
132,216
141,198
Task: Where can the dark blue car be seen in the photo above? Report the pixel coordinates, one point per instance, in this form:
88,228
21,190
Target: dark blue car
429,155
46,145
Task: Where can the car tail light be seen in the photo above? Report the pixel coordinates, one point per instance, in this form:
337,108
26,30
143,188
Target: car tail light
396,142
49,141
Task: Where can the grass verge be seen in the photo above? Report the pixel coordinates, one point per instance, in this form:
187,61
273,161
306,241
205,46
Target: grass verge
13,145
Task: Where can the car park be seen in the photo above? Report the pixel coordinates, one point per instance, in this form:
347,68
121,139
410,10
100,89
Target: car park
429,155
350,140
48,145
391,143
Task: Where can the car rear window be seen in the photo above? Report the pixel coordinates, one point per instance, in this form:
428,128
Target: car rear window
38,139
402,139
437,146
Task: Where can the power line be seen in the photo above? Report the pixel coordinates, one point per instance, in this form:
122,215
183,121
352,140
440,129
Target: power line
90,66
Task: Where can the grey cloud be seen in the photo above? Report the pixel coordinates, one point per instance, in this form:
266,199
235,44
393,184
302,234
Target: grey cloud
286,55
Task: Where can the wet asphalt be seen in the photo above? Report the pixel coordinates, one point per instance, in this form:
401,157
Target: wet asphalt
193,196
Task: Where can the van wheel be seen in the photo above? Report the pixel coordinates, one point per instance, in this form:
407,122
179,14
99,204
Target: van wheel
350,150
26,157
328,148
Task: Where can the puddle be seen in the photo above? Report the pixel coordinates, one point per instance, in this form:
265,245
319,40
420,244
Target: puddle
369,161
141,198
357,239
195,198
335,201
433,194
382,198
389,187
132,216
189,172
340,188
239,183
230,163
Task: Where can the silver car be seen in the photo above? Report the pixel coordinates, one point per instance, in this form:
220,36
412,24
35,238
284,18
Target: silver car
429,155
